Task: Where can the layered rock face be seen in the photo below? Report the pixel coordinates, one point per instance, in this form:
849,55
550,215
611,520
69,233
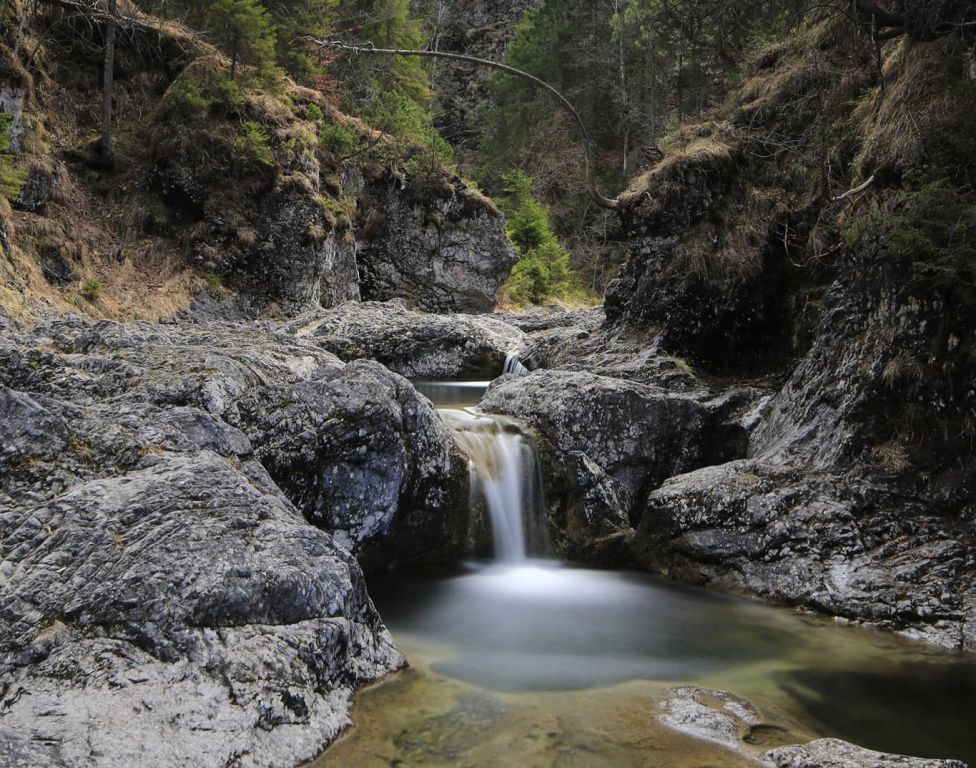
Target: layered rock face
445,253
159,583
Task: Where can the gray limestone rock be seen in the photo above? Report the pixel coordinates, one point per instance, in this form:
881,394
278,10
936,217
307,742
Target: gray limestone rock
605,443
840,544
163,598
444,252
414,344
833,753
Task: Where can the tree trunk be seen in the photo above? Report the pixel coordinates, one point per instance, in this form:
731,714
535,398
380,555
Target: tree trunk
108,85
20,28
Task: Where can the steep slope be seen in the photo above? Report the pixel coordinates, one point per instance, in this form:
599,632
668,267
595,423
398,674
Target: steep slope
265,194
822,227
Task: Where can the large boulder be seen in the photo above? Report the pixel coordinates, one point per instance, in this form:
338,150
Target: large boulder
160,581
414,344
354,447
181,612
837,543
605,444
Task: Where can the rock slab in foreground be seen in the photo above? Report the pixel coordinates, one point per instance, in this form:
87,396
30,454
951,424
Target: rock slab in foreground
184,611
833,753
163,599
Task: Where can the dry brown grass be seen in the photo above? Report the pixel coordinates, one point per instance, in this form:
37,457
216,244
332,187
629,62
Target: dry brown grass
926,113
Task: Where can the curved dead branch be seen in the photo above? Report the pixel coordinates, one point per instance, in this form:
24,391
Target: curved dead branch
591,184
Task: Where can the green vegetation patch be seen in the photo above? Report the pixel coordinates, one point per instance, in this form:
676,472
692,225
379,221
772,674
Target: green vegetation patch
12,179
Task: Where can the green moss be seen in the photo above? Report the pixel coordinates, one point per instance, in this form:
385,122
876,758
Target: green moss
254,146
12,179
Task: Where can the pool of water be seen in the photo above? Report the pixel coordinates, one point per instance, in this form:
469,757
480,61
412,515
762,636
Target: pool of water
501,651
453,394
535,663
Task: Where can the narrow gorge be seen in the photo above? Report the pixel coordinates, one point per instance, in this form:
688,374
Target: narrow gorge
315,453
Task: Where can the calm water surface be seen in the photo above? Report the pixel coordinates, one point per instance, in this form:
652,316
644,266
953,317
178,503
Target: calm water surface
512,651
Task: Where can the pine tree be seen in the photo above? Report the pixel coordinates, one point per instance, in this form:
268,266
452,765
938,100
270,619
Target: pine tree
244,29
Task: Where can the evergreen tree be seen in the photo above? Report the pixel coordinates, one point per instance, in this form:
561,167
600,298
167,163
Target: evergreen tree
244,30
392,92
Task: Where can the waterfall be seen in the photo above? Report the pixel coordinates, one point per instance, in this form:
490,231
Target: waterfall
506,477
514,366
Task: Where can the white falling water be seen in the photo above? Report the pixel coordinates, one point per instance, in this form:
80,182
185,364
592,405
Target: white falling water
505,473
514,366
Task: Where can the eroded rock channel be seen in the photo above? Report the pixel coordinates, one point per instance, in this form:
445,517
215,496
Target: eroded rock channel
189,511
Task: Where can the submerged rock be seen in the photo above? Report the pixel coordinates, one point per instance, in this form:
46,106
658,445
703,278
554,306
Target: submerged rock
733,722
411,343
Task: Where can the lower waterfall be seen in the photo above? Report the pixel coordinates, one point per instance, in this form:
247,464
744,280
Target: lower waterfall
505,477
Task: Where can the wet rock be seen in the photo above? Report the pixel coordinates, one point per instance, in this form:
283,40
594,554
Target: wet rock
605,443
733,722
444,250
716,716
411,343
836,543
833,753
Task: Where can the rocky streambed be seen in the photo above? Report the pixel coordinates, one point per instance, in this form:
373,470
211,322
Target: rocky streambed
187,512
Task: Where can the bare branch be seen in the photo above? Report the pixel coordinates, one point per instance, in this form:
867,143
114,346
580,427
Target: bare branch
591,185
851,192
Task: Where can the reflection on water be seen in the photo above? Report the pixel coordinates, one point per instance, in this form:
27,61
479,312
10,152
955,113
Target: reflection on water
542,627
525,631
457,394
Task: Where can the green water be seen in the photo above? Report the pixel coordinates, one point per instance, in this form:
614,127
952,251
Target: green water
539,665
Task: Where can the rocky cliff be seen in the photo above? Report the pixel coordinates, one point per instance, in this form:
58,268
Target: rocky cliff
265,196
750,253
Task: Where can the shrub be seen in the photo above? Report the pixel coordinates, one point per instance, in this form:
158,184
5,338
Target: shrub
314,113
542,273
90,289
187,100
337,139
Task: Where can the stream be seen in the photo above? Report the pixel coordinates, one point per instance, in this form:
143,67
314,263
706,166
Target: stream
525,661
